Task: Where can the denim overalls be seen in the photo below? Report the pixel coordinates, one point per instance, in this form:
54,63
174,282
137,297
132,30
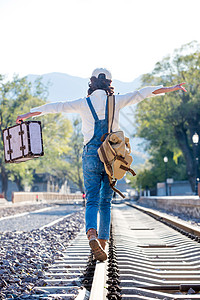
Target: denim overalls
98,191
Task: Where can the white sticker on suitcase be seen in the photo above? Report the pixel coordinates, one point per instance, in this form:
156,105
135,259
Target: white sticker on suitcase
25,138
35,138
6,145
15,142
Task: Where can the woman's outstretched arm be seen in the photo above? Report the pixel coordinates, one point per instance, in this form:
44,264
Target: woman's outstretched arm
170,89
75,106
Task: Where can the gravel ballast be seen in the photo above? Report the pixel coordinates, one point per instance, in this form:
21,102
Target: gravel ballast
22,208
24,256
36,219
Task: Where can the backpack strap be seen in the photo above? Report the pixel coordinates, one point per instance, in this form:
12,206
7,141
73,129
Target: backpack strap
92,109
101,148
112,185
111,111
128,170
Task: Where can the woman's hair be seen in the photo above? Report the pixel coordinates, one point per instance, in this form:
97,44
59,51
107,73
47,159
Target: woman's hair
100,83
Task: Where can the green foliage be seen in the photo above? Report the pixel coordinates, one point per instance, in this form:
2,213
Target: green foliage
56,133
168,122
75,172
154,171
21,174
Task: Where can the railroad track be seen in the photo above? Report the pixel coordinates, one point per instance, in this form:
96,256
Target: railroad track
74,276
64,278
147,259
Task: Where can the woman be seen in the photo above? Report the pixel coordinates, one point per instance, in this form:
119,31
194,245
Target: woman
93,112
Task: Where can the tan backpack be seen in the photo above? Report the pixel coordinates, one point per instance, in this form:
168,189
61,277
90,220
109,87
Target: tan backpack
115,151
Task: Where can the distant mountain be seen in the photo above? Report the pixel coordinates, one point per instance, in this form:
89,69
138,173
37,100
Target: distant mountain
66,87
62,87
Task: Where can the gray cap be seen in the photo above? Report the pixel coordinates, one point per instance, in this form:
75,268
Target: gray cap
98,71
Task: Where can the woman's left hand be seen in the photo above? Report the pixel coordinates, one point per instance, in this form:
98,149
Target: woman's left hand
170,89
180,87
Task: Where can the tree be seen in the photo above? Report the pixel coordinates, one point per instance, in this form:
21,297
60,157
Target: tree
168,123
154,170
57,131
75,155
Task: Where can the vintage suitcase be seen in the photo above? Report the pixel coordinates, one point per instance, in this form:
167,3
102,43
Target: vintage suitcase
23,142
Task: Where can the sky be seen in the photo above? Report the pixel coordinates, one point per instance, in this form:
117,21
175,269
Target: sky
76,36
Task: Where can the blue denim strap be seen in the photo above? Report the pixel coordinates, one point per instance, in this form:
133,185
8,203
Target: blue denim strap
106,111
92,109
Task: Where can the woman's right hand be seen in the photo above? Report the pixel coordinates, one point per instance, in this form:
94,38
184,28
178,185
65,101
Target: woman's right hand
19,119
26,116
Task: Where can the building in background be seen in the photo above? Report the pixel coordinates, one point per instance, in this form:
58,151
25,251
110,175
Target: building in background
175,188
43,182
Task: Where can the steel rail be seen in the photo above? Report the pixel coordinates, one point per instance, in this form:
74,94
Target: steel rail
182,226
153,260
98,290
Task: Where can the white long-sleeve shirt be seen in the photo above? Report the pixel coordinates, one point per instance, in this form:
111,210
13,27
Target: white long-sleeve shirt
98,99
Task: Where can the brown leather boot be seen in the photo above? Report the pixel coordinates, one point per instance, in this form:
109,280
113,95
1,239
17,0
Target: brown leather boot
102,243
97,250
